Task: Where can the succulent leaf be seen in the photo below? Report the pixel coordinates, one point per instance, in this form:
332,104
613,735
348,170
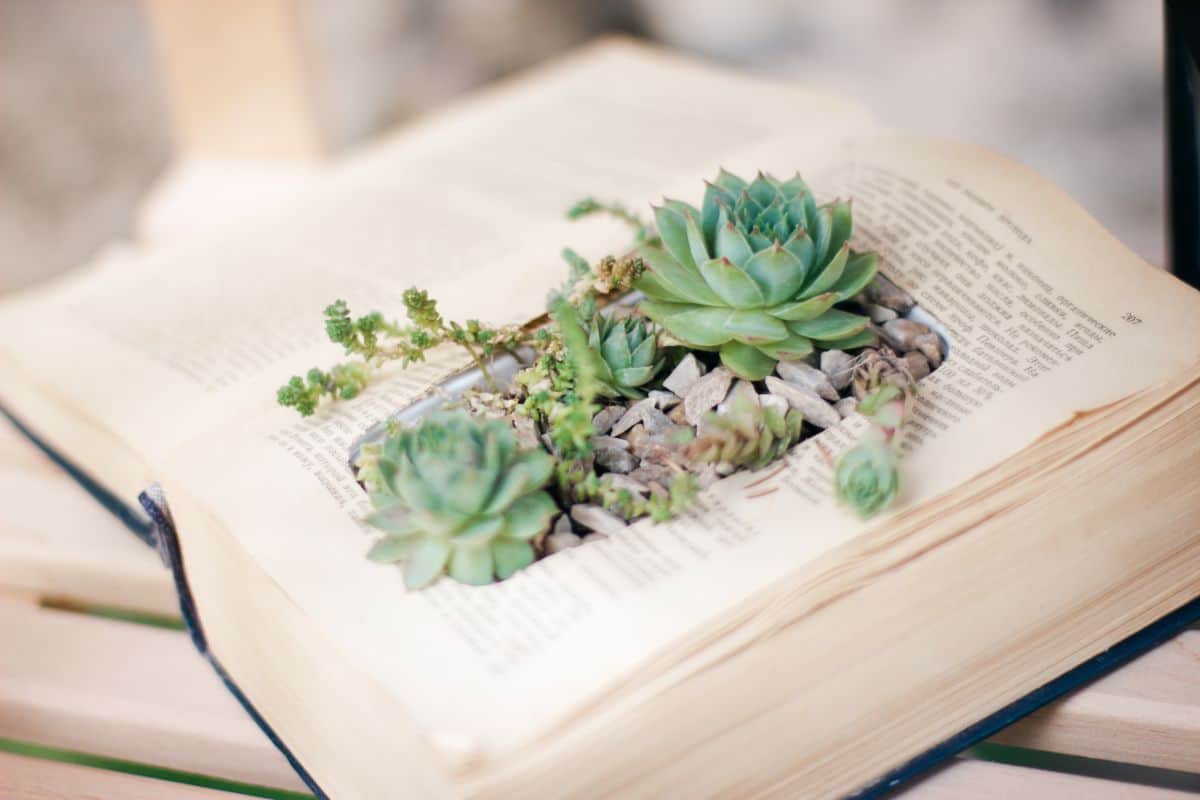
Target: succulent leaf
672,229
778,273
746,361
829,276
684,282
732,284
833,324
859,272
799,310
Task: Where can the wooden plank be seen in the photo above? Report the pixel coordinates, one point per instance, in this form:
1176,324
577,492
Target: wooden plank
23,778
1147,712
57,541
983,780
238,77
126,691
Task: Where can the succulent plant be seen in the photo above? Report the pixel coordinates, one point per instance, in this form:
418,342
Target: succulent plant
749,435
867,476
755,273
455,494
627,354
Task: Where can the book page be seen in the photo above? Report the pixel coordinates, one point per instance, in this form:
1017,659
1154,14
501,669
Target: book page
1046,315
164,346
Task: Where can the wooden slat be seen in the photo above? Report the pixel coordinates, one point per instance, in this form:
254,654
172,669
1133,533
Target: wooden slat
23,778
982,780
239,77
1147,712
57,541
125,691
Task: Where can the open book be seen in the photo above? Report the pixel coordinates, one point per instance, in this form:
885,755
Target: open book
765,644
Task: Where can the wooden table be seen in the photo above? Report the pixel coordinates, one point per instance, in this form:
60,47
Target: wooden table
93,661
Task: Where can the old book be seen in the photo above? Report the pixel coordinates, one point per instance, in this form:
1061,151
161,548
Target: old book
767,644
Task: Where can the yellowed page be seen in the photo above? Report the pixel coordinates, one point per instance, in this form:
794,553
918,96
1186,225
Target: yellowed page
1079,322
161,347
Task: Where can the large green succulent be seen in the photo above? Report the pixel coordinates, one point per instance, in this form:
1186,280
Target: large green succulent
455,494
626,354
755,273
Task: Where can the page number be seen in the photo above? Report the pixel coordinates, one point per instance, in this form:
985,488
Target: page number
1131,318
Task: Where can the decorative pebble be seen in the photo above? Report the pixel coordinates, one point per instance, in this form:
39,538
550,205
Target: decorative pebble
635,414
652,475
887,294
808,377
526,431
559,541
614,460
597,519
563,524
902,333
705,393
626,482
917,365
607,417
664,400
656,421
815,410
742,392
880,314
684,375
838,366
931,347
773,401
846,406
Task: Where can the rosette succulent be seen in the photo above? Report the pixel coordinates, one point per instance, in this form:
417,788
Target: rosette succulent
749,435
626,354
455,495
755,273
867,476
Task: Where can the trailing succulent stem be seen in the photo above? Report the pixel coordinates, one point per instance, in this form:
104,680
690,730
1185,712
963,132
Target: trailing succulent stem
377,341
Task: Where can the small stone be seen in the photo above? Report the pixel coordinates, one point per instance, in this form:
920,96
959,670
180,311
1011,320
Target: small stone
838,366
597,519
609,443
632,416
742,392
656,421
809,377
656,449
773,401
563,524
559,541
664,400
931,347
706,393
678,414
614,458
684,376
526,431
815,410
846,406
708,476
652,474
917,365
902,333
626,482
887,294
607,417
880,314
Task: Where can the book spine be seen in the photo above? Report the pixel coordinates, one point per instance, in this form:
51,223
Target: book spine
166,539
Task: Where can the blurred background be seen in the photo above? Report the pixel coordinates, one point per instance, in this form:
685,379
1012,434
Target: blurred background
1070,87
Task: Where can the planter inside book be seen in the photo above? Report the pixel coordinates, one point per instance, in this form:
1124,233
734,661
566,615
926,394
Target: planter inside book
728,334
